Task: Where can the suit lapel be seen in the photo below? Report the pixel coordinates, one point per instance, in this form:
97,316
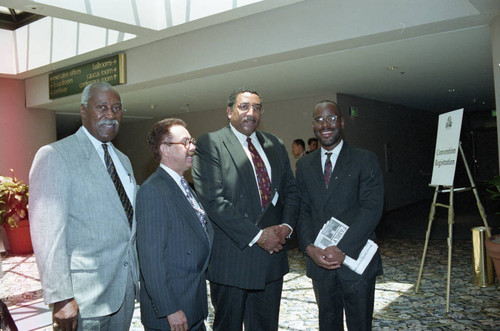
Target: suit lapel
316,171
267,146
184,205
342,167
98,169
242,164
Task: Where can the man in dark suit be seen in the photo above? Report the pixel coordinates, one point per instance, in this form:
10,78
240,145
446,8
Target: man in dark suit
240,173
345,182
174,236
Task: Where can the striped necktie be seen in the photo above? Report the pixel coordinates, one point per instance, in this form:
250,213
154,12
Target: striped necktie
110,166
262,175
328,169
202,215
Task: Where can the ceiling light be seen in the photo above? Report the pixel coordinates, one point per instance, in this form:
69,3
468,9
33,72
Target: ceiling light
392,68
451,90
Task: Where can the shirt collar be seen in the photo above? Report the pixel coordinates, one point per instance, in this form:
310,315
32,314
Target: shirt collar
172,173
97,144
241,137
334,151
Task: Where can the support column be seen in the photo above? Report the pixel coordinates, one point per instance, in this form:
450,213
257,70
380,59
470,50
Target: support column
495,47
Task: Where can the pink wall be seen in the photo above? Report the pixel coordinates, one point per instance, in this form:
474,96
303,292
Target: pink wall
22,131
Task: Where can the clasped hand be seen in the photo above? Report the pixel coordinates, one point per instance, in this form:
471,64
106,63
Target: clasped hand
273,238
330,258
65,315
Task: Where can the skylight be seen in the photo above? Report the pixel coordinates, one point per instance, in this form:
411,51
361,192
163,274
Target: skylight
72,28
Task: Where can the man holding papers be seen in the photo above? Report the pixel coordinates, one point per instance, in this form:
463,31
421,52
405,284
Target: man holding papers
342,196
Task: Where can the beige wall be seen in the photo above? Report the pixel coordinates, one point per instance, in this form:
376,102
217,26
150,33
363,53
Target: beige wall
409,134
22,130
289,120
403,139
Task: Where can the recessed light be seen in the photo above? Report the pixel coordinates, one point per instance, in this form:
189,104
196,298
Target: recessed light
392,68
33,7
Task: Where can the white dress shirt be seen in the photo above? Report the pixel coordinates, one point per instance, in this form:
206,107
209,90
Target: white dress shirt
125,177
333,158
243,141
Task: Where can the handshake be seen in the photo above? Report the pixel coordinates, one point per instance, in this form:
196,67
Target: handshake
273,238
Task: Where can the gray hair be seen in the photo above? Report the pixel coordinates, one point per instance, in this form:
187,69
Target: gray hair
101,86
234,95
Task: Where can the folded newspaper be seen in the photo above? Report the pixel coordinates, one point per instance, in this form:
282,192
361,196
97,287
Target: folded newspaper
331,234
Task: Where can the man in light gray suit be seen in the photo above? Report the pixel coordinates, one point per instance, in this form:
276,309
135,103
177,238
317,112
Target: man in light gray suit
174,236
82,222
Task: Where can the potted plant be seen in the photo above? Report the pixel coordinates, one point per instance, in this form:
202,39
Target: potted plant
493,242
14,213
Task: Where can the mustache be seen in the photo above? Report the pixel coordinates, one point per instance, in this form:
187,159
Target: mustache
107,121
249,119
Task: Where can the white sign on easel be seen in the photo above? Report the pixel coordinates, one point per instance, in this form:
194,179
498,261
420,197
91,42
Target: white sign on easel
447,141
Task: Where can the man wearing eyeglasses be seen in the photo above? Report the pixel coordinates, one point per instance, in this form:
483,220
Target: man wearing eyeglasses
82,220
344,182
240,174
174,236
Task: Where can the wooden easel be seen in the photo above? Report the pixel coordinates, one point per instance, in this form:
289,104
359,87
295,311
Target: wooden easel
451,216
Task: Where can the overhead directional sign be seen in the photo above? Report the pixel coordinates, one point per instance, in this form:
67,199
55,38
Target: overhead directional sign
73,80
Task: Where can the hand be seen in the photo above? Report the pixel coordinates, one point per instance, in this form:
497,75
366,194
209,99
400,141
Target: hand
323,258
334,254
178,321
283,231
65,315
271,240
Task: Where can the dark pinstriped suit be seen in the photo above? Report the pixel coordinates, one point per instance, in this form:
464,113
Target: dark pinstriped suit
173,253
355,196
225,182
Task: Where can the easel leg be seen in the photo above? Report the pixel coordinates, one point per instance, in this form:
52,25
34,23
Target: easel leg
451,215
427,235
474,189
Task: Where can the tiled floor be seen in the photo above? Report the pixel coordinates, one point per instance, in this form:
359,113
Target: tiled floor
397,307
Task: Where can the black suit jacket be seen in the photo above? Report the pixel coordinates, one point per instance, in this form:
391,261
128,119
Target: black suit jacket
174,250
225,182
355,196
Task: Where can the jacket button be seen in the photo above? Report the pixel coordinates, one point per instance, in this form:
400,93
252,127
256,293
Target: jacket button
125,264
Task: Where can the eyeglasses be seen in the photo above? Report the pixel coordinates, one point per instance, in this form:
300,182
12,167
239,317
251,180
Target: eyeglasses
245,107
186,143
320,120
102,108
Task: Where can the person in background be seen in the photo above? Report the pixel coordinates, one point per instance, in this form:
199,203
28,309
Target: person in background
82,220
312,143
298,148
344,182
240,174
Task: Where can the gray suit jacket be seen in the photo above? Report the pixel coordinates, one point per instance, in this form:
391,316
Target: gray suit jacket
83,244
174,250
355,196
225,182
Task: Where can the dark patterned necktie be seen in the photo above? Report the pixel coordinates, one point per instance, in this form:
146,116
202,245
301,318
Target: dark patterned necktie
202,215
328,169
110,166
262,175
